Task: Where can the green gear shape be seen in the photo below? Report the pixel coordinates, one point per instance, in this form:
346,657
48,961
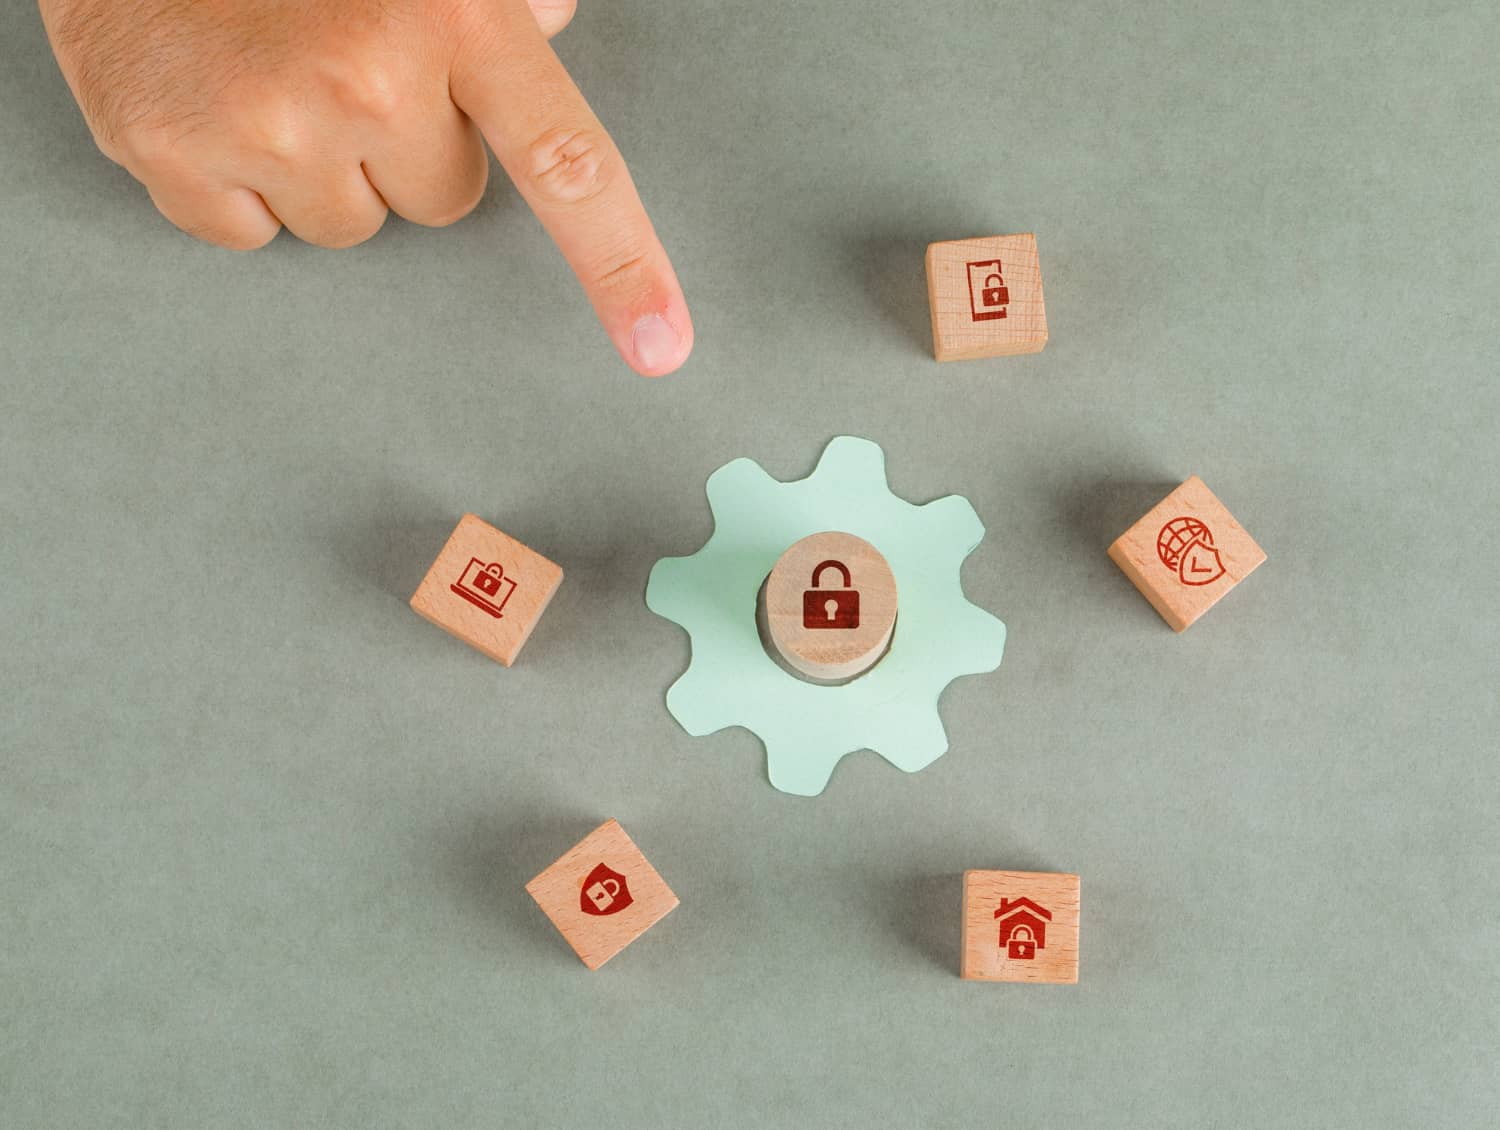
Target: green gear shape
807,728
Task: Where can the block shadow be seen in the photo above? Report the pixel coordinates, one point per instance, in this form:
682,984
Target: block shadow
487,862
894,275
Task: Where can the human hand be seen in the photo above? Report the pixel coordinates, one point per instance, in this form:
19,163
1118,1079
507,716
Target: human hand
241,116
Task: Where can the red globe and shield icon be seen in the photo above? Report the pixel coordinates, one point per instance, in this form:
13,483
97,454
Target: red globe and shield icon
604,892
1186,546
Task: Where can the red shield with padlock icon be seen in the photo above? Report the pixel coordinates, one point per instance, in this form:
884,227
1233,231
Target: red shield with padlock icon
604,891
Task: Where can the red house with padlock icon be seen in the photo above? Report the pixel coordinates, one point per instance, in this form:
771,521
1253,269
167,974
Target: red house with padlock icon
1023,927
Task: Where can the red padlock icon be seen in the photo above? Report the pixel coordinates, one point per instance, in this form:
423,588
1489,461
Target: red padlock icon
488,582
831,608
997,295
1021,948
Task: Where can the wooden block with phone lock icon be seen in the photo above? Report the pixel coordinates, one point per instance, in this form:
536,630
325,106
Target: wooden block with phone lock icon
602,894
985,297
487,589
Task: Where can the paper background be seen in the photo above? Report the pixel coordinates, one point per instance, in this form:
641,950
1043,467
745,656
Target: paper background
264,832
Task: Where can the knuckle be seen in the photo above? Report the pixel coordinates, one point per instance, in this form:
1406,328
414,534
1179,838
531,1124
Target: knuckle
345,232
110,146
232,239
367,87
226,235
443,218
569,166
274,130
149,146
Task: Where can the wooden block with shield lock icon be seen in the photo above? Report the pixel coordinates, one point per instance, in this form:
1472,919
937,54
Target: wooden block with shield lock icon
985,297
602,894
487,589
1020,926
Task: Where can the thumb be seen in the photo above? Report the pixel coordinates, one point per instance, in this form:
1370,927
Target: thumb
508,80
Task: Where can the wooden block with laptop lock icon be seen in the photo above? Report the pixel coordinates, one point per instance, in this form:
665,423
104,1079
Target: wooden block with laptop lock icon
985,297
1186,554
602,894
1020,926
487,589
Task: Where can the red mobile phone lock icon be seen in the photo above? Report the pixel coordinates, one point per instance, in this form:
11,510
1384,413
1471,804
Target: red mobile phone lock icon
988,294
831,608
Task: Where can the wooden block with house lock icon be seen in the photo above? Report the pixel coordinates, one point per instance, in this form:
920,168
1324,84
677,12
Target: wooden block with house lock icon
1020,926
985,297
487,589
829,606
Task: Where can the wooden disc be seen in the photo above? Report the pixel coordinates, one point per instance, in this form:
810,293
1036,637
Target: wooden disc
830,606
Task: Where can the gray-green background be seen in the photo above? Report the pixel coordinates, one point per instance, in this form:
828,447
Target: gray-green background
264,832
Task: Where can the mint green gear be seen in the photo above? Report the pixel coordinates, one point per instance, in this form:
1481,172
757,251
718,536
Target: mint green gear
806,728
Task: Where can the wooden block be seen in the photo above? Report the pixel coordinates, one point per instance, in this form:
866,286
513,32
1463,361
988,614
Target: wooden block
830,605
986,297
487,589
1186,554
1020,926
602,895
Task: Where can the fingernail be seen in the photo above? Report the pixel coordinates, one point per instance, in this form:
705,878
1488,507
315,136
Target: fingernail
656,344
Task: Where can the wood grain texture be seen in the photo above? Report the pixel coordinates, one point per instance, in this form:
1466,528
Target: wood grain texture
530,581
1186,554
999,906
965,325
831,652
632,901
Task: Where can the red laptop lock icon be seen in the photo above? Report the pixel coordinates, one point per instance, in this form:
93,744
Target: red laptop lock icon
485,586
831,608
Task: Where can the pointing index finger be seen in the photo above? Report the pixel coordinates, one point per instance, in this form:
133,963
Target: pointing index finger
508,79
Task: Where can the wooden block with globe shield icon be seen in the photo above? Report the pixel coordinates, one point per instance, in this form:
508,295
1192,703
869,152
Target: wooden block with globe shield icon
1186,554
602,894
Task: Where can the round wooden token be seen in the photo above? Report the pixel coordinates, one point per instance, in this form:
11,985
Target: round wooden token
830,606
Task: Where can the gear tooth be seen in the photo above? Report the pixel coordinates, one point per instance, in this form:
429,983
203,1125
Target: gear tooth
690,705
923,741
853,462
990,649
727,486
953,516
663,574
802,770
